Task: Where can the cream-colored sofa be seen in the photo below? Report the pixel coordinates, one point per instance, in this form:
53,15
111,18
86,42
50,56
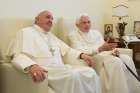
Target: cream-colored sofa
12,80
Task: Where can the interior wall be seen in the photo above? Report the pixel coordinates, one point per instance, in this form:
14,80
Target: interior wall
125,19
134,7
100,11
59,8
107,12
133,14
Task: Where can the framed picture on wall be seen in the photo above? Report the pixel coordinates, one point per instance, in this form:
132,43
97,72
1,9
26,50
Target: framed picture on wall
108,31
137,28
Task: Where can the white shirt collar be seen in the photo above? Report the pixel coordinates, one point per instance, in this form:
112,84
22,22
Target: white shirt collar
40,29
83,33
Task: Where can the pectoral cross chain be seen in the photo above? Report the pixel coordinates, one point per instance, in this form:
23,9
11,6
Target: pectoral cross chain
52,51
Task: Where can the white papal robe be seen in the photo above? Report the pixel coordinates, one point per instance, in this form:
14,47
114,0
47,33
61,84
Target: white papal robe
114,75
32,45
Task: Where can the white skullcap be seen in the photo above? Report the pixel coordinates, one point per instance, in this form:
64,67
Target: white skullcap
80,16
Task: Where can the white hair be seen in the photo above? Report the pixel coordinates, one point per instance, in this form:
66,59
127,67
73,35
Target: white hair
80,16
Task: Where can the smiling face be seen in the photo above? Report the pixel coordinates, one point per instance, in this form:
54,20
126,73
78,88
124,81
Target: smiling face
84,24
44,20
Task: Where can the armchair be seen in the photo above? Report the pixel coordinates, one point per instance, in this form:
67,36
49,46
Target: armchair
14,81
11,79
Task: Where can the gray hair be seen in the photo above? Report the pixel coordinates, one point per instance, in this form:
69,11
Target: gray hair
41,13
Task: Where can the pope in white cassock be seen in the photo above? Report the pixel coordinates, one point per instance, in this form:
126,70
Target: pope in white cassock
114,75
39,53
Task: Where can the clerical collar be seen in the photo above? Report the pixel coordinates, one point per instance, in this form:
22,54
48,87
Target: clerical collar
40,29
86,36
83,33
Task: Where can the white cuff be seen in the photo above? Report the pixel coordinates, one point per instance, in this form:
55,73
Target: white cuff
22,61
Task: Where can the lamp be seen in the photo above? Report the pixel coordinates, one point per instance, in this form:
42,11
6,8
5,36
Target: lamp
120,11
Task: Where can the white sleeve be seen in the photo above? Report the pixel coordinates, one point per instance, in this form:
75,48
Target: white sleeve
22,61
68,53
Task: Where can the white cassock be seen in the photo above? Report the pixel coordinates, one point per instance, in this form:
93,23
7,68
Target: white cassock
114,75
35,46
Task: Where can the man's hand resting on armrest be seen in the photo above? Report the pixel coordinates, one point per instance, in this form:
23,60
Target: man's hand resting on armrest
115,52
107,46
37,73
88,59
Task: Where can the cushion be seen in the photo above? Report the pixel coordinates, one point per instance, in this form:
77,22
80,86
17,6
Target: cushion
8,29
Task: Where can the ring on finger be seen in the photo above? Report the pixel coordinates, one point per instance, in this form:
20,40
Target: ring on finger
34,74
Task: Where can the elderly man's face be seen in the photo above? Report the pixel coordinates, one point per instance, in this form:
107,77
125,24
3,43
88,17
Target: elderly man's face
44,20
84,24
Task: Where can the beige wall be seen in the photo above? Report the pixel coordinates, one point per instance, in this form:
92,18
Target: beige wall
134,13
100,11
66,8
108,19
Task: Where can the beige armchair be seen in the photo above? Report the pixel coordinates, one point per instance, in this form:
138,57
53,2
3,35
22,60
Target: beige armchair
11,79
14,81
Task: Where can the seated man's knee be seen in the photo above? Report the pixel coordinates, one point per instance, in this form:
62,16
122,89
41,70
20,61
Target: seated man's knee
117,61
125,57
